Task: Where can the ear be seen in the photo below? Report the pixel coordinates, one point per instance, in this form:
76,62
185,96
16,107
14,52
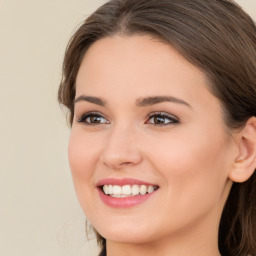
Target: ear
245,162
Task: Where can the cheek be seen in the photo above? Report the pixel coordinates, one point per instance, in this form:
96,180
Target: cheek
187,154
194,167
78,156
83,153
193,172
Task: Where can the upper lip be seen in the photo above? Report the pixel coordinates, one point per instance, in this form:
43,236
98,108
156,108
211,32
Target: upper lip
122,182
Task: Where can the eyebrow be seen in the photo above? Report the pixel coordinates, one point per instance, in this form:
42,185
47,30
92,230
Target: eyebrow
91,99
141,102
148,101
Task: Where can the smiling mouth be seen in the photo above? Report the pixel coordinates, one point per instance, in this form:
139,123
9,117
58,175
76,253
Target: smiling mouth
127,190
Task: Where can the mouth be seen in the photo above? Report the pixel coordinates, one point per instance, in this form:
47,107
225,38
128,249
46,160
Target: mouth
127,190
125,193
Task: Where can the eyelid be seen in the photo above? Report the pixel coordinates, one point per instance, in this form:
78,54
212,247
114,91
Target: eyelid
83,117
173,119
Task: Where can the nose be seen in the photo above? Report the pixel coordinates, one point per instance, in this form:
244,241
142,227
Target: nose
121,149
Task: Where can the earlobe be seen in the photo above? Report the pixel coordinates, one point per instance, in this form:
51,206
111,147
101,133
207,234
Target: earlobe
245,162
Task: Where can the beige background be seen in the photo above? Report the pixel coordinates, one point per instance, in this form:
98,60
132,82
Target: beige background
39,212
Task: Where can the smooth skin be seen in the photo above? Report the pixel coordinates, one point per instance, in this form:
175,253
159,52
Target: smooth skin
181,144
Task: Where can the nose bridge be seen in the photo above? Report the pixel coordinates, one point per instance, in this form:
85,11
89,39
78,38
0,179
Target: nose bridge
121,147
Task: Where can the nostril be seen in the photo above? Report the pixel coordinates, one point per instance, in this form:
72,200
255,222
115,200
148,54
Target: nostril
127,163
118,163
118,154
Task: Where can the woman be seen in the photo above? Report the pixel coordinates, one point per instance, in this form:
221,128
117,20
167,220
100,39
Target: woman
162,103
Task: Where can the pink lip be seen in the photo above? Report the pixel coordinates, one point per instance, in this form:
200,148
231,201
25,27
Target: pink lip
124,202
122,182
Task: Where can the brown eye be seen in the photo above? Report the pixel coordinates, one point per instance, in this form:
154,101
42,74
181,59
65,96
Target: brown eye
93,119
161,119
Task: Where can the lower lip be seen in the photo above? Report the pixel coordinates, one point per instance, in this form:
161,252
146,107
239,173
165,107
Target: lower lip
124,202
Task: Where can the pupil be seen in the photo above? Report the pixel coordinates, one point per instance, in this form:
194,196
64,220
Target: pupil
159,120
95,119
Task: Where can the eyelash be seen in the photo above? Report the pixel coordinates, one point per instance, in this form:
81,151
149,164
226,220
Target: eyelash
163,115
172,120
83,118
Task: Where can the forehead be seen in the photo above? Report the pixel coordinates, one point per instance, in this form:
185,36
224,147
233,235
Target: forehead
139,66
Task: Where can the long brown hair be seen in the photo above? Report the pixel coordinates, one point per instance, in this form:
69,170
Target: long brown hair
218,37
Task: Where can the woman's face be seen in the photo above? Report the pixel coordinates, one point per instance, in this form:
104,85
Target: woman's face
145,121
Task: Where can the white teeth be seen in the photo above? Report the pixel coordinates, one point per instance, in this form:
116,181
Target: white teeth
128,190
106,189
150,189
118,196
117,190
143,189
110,189
135,190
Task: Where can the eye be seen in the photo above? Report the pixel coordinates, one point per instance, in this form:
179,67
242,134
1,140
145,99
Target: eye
92,119
162,119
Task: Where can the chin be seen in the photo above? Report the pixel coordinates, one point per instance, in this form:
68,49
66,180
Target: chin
126,238
125,233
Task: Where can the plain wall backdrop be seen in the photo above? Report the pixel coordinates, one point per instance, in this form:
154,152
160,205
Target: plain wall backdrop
39,212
